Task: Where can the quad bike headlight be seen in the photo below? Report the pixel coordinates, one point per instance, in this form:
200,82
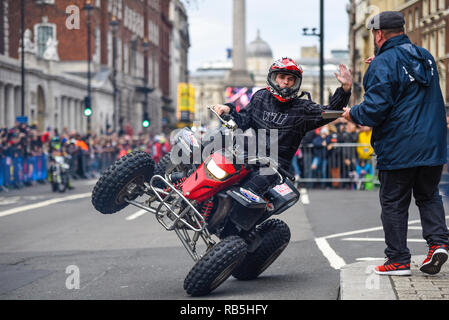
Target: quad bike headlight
215,170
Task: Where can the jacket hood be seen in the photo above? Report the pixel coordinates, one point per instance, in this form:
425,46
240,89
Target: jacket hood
413,58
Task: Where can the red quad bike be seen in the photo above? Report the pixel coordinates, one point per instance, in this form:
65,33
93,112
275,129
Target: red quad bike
207,202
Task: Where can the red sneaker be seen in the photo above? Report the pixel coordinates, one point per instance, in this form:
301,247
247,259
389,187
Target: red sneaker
393,269
436,257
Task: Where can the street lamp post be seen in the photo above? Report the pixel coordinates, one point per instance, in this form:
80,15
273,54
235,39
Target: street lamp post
146,46
114,27
321,37
88,7
22,58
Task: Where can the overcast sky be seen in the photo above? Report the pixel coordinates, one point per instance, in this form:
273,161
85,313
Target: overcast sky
280,24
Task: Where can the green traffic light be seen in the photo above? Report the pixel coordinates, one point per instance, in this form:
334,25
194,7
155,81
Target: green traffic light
145,123
87,112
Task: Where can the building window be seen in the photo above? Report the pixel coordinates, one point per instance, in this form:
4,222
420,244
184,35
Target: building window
43,32
119,54
416,18
441,43
433,44
433,6
133,58
150,71
410,20
110,49
425,8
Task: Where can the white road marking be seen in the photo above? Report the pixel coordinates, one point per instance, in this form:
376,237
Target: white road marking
369,259
4,201
379,239
337,235
334,259
136,215
304,196
44,204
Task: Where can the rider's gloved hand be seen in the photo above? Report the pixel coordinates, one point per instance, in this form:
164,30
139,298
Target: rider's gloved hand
220,109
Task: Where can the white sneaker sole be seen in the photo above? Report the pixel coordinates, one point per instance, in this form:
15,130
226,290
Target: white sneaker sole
433,266
394,272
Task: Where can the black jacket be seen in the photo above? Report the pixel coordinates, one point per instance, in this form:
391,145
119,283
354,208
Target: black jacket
292,119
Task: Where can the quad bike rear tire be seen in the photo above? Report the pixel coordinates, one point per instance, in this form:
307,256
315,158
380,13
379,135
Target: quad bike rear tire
275,237
114,186
160,169
215,266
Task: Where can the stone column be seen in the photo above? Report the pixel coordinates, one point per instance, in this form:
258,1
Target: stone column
239,75
62,114
78,115
239,35
71,115
10,107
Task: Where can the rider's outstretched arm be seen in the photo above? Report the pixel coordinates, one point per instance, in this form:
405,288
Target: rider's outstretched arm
313,112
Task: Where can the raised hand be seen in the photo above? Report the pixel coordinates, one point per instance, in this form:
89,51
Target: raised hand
344,77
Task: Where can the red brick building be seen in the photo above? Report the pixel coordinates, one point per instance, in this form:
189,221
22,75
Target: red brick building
142,42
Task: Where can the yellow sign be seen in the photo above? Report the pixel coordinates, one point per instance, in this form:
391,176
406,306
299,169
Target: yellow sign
186,102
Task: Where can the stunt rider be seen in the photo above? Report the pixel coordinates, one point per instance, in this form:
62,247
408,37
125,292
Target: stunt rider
279,107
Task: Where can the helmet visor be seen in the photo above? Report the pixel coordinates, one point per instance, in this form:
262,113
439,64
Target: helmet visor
294,88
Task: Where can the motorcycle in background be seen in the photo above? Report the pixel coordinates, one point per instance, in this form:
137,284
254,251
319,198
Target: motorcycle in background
59,174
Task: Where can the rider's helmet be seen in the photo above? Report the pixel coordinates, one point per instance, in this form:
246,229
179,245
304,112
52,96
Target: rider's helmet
289,66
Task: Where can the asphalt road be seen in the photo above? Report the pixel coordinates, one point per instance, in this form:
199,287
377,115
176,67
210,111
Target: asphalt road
41,248
48,239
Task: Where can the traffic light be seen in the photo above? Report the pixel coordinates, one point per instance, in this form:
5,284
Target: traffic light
145,120
87,107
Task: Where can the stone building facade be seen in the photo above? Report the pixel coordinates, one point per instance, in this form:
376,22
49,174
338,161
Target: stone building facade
56,66
427,25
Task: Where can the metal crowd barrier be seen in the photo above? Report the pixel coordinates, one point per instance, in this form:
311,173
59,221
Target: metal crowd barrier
338,166
21,170
16,171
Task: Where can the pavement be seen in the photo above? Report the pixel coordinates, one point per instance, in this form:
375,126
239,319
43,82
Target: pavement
359,282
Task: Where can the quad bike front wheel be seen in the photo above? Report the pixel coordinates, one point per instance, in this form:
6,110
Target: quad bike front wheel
275,237
215,266
122,181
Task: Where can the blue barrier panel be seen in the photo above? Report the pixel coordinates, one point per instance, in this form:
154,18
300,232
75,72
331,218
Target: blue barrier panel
42,167
18,169
2,172
25,170
9,171
33,162
21,170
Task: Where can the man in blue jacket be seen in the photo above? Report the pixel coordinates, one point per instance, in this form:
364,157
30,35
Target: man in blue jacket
404,106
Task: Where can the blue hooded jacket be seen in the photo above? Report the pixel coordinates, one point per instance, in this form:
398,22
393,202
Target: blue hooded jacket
404,105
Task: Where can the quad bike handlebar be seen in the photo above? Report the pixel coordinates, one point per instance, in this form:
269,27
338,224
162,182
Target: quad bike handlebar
226,119
229,123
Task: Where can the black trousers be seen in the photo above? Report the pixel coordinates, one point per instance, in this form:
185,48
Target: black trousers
396,188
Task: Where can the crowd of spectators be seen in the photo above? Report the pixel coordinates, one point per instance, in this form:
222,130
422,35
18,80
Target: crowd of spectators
321,161
87,154
337,155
